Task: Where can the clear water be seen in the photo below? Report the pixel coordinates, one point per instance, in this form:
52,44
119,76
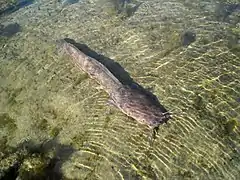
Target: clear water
57,119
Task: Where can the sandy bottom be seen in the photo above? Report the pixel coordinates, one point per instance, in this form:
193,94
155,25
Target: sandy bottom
55,120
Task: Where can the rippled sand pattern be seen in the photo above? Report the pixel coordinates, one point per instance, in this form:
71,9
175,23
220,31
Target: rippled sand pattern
199,84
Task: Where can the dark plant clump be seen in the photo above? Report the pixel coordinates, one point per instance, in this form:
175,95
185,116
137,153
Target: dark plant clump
35,161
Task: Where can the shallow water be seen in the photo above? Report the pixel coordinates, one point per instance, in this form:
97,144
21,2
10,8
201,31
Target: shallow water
48,103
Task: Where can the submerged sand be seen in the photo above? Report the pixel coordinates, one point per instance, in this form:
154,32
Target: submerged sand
53,116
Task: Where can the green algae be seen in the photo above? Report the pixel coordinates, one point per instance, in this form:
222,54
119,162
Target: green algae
33,167
235,31
198,102
55,131
43,124
123,9
185,174
5,3
8,123
231,125
4,146
233,43
33,161
13,94
235,49
8,162
3,40
80,79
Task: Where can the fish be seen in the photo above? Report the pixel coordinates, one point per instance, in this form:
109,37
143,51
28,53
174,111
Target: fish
132,101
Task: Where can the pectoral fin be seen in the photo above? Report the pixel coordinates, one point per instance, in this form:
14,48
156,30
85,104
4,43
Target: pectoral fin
111,103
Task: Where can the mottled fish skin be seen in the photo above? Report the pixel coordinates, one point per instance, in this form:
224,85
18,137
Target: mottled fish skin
139,106
92,67
131,101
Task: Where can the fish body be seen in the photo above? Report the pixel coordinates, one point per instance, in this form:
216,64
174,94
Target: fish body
131,101
92,67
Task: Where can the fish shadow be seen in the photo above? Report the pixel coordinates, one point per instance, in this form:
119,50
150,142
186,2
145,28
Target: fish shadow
119,72
11,8
9,30
224,10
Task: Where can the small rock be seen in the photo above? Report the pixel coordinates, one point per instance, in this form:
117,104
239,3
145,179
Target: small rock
10,29
187,38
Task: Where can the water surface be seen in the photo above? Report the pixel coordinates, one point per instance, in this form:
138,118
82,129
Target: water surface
50,107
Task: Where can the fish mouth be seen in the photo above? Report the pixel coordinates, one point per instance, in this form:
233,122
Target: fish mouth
164,119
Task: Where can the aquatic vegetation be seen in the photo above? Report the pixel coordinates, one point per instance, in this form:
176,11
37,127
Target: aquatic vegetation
231,125
126,7
13,94
234,39
35,161
5,149
33,167
9,166
10,29
198,102
8,123
235,49
185,174
15,5
43,124
6,3
55,131
79,80
236,31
